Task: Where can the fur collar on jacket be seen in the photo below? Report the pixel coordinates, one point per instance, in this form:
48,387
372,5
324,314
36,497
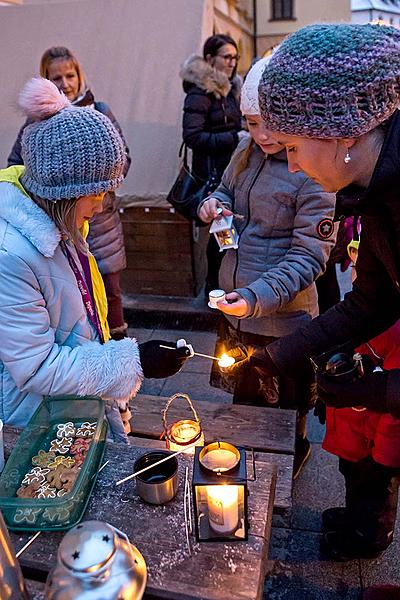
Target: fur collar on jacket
197,71
30,220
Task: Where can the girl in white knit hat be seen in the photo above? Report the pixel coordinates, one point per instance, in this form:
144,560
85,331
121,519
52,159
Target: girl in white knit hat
285,239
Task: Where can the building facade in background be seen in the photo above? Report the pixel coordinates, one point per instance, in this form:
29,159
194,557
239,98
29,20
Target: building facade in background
275,19
377,11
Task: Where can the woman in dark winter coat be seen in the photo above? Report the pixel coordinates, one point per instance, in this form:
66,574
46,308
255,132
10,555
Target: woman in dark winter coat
105,237
330,94
211,118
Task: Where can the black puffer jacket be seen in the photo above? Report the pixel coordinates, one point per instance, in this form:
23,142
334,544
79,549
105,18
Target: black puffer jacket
211,116
374,303
106,240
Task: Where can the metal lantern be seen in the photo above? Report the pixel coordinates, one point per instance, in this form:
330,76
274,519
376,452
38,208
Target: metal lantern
220,492
95,560
184,433
225,233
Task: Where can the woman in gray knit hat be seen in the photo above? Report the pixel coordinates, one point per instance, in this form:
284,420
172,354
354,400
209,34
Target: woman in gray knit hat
330,95
53,310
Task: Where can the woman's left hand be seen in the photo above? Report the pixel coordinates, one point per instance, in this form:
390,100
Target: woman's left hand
234,304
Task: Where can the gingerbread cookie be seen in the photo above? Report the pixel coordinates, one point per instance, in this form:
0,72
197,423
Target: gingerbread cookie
35,475
80,446
43,458
66,430
65,461
46,491
27,491
68,478
86,429
79,459
61,445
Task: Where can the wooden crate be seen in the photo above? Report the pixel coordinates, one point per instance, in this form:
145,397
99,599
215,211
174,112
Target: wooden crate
166,254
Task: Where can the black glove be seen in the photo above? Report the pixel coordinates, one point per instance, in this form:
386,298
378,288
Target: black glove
160,362
368,391
258,358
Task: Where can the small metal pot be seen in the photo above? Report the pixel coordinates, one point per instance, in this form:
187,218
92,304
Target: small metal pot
159,484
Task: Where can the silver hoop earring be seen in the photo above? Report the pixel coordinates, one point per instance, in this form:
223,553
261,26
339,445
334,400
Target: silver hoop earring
347,158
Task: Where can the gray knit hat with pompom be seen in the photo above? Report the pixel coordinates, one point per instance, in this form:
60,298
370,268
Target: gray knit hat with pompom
68,152
332,81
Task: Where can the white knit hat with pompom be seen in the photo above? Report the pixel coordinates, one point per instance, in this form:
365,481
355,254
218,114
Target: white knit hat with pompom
249,94
68,152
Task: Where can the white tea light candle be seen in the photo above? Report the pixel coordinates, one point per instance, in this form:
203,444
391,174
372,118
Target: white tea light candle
226,361
214,297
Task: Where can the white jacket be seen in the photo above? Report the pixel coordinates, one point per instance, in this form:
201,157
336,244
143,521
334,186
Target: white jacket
47,344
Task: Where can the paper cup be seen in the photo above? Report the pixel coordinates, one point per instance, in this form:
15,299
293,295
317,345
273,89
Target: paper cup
1,447
214,297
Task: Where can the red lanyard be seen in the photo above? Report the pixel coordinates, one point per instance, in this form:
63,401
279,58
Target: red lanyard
85,288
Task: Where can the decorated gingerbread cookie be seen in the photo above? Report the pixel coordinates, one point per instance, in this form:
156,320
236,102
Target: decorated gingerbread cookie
65,461
61,445
66,430
46,491
43,458
35,475
80,446
86,429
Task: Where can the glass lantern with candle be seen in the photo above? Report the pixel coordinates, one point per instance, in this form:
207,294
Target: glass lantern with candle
185,433
225,232
220,492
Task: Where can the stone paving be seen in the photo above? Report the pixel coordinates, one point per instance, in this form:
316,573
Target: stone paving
296,571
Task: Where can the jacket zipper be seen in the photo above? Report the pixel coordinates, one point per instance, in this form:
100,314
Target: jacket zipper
257,173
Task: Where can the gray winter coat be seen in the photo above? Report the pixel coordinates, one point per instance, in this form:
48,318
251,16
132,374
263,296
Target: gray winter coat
48,345
105,239
282,248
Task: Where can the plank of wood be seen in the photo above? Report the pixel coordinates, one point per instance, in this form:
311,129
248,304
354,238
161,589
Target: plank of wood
214,571
264,429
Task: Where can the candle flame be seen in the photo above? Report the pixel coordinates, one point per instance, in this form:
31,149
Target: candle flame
226,361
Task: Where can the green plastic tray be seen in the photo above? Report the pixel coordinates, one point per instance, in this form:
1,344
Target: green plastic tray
34,514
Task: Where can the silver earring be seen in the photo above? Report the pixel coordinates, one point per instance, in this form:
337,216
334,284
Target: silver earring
347,158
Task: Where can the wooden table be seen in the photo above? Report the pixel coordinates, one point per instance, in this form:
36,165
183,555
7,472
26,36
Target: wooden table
214,571
270,431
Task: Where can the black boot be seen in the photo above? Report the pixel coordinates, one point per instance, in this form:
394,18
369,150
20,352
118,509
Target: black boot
350,545
335,519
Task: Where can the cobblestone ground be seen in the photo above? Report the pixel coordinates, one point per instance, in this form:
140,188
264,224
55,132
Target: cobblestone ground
296,570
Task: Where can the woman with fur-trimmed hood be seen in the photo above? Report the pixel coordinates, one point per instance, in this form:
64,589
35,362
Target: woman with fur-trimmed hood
211,117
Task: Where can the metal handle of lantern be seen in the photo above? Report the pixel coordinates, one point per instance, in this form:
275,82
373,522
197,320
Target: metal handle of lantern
170,401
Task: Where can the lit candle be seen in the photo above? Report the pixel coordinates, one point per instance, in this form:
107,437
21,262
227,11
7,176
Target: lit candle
226,361
223,507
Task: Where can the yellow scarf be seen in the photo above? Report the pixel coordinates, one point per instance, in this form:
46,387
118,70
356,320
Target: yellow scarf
13,175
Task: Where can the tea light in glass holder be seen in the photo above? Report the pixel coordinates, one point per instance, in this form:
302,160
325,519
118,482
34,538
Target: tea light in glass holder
185,432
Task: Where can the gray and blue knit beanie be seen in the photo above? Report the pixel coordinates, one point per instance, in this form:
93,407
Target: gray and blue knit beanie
332,81
68,152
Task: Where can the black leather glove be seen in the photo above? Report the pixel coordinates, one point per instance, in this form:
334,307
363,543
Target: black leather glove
160,362
368,391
